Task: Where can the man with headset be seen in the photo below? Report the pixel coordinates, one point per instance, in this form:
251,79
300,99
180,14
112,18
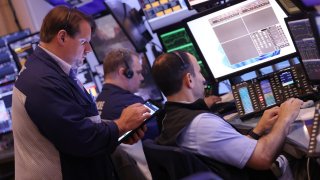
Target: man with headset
122,78
189,124
58,133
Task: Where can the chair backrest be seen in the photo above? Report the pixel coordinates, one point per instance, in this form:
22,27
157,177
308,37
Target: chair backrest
170,163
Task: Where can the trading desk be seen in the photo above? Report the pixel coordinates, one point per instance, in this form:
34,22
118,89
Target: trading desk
297,141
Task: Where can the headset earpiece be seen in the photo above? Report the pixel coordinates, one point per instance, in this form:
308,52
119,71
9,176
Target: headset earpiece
128,73
183,65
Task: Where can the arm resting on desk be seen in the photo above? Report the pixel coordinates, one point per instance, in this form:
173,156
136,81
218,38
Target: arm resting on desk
270,144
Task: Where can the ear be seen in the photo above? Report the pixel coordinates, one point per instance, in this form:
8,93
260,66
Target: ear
61,37
121,71
188,80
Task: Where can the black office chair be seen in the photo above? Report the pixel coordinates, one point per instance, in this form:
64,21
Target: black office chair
171,163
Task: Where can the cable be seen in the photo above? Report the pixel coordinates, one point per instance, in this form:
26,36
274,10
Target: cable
158,46
14,15
308,170
125,12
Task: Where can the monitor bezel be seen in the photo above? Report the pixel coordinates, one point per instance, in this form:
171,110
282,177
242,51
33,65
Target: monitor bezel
243,71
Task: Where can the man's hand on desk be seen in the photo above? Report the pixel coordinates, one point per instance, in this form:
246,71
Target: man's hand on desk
267,121
290,109
211,100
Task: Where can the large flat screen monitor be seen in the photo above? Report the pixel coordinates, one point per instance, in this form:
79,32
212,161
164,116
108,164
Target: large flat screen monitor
87,79
110,36
131,23
8,66
242,37
8,73
176,38
24,47
304,39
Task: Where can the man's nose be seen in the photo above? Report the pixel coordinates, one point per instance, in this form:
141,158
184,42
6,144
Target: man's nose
88,48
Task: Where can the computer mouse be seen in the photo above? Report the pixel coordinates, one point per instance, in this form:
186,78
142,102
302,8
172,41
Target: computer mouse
307,104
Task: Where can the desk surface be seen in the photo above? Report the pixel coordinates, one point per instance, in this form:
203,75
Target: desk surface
298,135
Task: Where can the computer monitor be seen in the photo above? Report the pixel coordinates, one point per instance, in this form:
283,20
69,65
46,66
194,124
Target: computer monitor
108,36
90,7
14,36
303,37
289,7
8,73
175,37
24,47
162,13
8,66
195,4
203,5
242,37
5,119
87,79
131,23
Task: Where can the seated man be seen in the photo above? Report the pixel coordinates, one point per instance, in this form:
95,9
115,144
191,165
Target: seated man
190,125
122,78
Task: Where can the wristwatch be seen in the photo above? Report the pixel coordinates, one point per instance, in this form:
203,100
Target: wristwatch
254,135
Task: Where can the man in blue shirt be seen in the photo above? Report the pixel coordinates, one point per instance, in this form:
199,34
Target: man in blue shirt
190,125
122,78
58,133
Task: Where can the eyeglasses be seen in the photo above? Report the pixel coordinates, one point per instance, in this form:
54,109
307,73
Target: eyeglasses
83,41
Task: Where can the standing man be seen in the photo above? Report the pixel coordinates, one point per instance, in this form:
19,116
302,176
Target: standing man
190,125
58,133
122,78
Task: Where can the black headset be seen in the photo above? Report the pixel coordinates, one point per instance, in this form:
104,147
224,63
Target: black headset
183,65
128,73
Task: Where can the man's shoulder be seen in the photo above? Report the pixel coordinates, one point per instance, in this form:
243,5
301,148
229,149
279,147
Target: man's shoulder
207,118
116,95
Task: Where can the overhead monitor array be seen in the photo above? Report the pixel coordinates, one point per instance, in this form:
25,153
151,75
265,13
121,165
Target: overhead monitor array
8,73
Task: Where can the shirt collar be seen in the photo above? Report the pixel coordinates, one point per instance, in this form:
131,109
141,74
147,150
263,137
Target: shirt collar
63,65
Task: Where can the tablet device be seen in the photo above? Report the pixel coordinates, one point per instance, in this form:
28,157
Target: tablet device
153,109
